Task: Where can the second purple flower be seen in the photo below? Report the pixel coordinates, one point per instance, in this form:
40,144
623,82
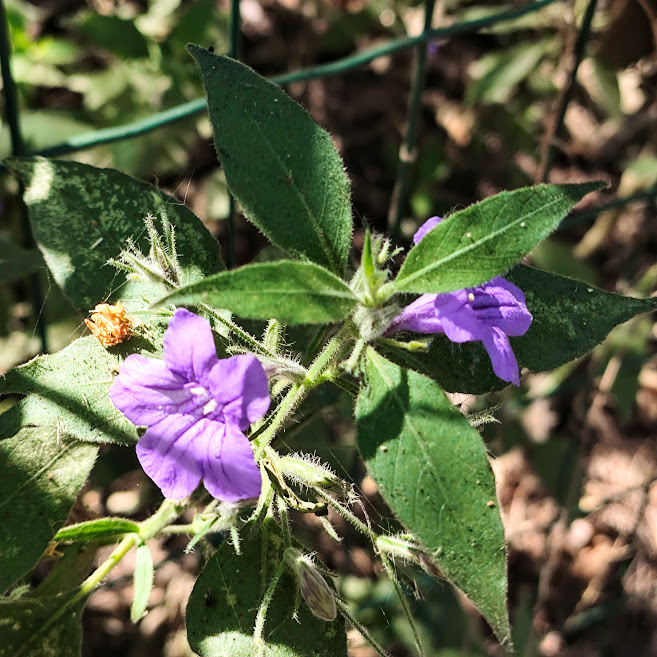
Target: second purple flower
196,408
490,313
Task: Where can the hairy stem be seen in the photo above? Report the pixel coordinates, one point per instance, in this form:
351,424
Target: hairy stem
167,512
404,602
299,391
347,515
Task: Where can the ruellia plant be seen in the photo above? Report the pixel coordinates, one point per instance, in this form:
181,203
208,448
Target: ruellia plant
205,372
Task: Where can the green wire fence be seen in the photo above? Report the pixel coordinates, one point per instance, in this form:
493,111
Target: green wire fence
409,147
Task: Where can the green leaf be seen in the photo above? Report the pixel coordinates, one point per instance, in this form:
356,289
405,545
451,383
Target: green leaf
16,262
282,168
143,582
82,216
222,608
22,622
91,531
432,469
292,292
68,392
570,318
473,245
42,473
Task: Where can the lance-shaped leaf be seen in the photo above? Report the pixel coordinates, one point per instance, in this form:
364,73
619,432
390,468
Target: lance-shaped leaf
25,630
100,530
42,473
570,318
142,582
282,168
221,613
82,216
484,240
432,469
68,392
292,292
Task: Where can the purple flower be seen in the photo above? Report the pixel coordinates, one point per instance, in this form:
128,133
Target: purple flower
490,312
196,408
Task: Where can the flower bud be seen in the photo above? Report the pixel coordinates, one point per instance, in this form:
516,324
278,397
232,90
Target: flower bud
314,588
312,474
404,546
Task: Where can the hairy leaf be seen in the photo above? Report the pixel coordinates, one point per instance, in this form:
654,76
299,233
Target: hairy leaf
222,608
143,582
82,216
91,531
432,469
292,292
68,392
484,240
42,473
282,168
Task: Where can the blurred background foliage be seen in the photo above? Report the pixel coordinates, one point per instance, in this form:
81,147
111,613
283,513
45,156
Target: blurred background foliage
576,460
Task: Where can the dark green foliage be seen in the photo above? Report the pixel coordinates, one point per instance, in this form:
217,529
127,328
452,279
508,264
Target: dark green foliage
280,165
432,469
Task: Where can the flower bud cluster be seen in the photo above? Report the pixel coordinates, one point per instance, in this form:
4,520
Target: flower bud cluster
161,264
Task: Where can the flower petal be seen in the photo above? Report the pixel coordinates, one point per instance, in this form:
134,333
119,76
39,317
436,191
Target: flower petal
501,355
428,225
500,303
168,452
419,316
459,321
146,391
230,472
239,383
189,349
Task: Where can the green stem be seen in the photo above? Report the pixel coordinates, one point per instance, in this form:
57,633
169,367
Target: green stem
299,391
243,335
344,610
404,602
199,105
408,149
347,515
167,512
261,617
285,522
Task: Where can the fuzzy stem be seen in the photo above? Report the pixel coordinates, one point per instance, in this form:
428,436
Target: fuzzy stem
167,512
404,602
344,610
299,391
243,335
347,515
259,628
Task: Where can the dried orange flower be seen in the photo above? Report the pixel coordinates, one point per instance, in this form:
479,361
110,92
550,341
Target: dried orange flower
109,324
